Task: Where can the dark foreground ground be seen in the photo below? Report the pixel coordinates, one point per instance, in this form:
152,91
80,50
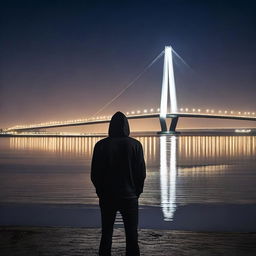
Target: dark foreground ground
83,241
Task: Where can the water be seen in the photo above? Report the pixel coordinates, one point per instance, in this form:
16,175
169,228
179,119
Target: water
182,170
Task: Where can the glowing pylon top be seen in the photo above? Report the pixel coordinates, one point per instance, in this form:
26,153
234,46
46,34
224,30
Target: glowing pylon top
168,82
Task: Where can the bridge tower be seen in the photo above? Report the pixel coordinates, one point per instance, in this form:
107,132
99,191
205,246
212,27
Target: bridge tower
168,84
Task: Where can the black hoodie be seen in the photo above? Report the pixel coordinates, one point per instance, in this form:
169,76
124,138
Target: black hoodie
118,166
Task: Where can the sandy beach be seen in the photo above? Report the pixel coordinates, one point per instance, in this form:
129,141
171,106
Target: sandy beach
84,241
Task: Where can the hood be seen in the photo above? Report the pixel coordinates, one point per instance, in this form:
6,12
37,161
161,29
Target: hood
119,126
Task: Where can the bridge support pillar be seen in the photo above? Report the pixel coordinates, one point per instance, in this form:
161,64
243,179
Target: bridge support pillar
173,124
168,82
163,125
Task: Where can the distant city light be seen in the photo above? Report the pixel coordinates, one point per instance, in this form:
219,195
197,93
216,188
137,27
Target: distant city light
243,130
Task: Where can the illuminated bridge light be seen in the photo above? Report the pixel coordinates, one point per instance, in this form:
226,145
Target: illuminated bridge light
253,113
212,111
138,111
231,112
219,111
239,113
151,110
145,111
193,110
245,113
207,110
127,113
181,109
133,112
158,109
225,111
186,109
199,110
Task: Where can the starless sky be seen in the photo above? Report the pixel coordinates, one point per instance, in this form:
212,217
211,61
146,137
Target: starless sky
62,60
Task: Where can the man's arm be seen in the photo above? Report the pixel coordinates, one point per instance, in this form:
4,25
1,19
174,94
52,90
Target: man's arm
96,168
140,170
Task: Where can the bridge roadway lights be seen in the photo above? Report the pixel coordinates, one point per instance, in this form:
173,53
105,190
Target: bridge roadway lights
173,125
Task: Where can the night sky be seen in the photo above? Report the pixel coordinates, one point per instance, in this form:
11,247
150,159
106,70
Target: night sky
62,60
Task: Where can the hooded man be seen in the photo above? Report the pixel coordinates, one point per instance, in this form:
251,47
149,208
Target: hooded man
118,173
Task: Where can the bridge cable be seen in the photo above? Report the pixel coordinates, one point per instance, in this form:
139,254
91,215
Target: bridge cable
131,83
182,60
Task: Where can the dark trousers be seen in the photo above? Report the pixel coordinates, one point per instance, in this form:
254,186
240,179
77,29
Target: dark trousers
129,211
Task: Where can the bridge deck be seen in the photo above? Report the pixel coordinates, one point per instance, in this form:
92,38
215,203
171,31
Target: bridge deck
136,116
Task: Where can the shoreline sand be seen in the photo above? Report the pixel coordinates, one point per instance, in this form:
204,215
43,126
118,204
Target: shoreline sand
51,241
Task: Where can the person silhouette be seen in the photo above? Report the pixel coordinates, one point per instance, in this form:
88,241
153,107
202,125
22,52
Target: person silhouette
118,172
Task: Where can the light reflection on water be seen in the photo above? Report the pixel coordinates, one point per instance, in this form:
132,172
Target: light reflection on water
168,171
180,170
191,149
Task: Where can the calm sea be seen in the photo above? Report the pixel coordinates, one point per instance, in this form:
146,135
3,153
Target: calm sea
181,170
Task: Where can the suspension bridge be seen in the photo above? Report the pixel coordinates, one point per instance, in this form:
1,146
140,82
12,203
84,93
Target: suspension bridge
168,106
